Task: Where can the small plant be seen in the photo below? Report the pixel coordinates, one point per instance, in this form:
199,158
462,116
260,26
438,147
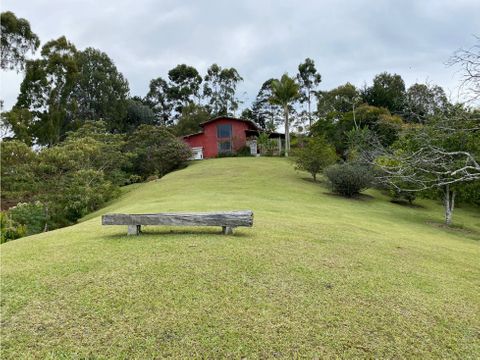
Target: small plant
9,229
266,145
313,155
349,179
31,215
244,151
400,196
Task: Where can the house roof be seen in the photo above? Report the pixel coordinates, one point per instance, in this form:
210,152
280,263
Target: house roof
230,118
255,126
197,133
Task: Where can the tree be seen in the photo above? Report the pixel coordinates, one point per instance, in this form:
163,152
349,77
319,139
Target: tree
387,91
469,61
184,87
20,122
18,178
100,91
313,155
219,88
17,39
156,151
308,79
423,101
444,154
46,91
264,113
192,116
284,92
159,101
342,99
137,114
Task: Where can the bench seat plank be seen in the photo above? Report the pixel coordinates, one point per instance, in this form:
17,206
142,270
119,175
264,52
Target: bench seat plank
226,219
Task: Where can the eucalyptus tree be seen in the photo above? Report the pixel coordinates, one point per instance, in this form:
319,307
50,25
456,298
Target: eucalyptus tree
219,90
423,101
46,91
184,87
308,79
158,99
101,91
284,92
17,39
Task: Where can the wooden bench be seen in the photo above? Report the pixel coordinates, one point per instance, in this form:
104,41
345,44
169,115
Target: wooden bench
228,220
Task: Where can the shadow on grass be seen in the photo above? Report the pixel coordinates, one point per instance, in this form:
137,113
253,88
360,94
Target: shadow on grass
407,204
358,197
455,229
175,232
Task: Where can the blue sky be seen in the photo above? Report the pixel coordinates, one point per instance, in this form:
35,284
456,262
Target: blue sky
349,40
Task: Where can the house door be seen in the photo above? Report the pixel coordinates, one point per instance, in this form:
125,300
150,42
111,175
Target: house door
253,147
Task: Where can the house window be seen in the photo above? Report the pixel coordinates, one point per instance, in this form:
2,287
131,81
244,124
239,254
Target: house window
225,146
224,135
224,131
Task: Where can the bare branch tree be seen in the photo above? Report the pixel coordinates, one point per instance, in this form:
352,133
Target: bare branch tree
469,61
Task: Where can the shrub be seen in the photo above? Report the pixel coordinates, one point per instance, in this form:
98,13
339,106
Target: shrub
266,145
244,151
157,151
313,155
349,179
31,215
399,196
9,230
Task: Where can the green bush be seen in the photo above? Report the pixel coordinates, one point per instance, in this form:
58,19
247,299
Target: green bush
349,179
313,155
9,230
31,215
244,151
156,151
399,195
266,145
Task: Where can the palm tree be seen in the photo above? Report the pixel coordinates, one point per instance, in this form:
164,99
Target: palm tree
285,91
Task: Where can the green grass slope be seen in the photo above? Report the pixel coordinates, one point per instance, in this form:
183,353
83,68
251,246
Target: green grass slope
317,276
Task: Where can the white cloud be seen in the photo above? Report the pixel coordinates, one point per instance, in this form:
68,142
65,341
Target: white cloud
349,41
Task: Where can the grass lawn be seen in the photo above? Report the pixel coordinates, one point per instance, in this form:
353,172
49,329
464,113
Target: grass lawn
317,276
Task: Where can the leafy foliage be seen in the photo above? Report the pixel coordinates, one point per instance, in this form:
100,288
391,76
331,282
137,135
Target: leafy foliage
32,216
349,179
191,118
17,39
284,92
308,79
156,151
219,90
264,113
313,155
100,91
387,91
10,230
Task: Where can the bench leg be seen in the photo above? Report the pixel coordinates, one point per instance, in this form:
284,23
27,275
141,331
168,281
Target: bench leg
134,229
227,230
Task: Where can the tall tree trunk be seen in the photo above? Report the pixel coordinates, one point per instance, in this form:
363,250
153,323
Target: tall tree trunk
287,131
449,202
309,112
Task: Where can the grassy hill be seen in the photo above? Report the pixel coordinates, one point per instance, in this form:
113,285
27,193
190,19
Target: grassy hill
317,275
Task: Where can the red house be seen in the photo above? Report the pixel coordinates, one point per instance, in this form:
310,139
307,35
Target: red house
223,135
